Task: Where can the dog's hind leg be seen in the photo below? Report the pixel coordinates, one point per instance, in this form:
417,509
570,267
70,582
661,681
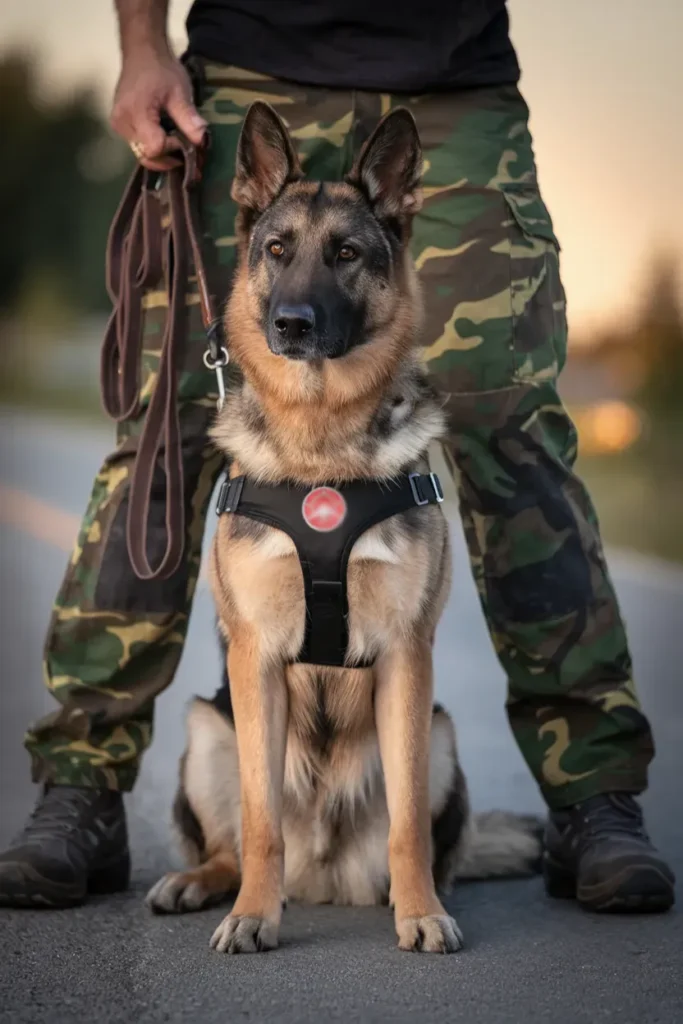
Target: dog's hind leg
497,844
206,815
448,800
197,888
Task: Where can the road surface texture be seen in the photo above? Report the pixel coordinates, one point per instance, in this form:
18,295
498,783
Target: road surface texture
527,959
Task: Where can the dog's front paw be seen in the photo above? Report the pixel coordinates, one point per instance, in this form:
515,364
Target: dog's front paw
241,934
434,933
178,893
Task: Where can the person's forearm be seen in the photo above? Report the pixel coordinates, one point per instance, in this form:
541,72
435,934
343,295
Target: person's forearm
142,25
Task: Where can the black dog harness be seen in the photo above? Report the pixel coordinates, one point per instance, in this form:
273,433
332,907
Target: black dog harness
324,523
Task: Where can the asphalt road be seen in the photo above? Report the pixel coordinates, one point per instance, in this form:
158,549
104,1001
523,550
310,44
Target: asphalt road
527,959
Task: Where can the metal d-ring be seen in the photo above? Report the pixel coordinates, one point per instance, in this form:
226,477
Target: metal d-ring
222,360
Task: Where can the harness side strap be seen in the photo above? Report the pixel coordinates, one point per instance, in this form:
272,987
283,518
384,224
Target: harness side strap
161,432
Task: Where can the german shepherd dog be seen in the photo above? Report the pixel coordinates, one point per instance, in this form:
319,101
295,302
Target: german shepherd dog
324,784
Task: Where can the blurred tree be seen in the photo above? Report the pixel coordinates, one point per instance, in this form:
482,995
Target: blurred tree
658,339
56,198
644,354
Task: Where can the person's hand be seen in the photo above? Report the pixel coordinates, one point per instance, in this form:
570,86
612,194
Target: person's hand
150,83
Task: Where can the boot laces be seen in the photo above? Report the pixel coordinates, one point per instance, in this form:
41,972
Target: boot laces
610,815
59,812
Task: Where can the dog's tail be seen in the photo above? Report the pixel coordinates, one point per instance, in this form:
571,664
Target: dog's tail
501,844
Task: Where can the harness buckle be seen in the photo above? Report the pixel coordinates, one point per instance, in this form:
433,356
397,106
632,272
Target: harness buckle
229,495
436,484
413,479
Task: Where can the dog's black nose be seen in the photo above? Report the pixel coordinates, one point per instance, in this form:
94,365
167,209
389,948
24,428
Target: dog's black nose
293,322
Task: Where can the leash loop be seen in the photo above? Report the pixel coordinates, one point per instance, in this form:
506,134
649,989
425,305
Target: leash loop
141,252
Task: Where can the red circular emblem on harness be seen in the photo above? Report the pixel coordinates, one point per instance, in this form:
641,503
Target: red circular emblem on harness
324,509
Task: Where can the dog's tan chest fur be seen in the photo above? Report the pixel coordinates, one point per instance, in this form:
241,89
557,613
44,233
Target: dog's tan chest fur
333,788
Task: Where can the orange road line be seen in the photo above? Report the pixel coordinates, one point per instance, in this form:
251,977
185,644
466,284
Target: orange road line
44,522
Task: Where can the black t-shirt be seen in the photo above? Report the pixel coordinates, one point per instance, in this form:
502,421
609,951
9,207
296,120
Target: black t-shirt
399,46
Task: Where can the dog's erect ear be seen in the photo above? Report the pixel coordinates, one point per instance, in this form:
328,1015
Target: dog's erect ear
389,167
266,159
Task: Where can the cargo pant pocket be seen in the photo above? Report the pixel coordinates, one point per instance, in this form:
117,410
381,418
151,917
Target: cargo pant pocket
488,262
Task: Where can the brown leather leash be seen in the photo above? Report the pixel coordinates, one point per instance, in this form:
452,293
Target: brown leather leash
139,254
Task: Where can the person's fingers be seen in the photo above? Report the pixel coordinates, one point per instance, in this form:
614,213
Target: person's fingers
151,145
138,123
159,163
186,117
165,163
148,136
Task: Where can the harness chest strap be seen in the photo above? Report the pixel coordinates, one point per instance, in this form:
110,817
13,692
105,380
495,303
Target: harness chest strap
324,523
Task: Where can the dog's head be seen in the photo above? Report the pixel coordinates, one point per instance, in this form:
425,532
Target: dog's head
324,266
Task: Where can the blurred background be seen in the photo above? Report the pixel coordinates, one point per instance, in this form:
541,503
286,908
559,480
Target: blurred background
604,85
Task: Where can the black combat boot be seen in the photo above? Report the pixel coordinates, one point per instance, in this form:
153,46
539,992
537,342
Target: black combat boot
75,842
599,853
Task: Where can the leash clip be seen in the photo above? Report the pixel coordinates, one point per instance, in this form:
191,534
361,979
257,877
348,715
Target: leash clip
216,358
218,365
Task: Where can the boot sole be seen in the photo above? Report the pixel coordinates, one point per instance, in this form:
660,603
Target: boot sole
25,888
638,888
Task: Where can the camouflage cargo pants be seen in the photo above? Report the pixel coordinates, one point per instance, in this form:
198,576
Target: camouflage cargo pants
496,339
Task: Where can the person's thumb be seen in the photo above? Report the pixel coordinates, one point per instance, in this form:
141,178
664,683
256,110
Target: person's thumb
186,117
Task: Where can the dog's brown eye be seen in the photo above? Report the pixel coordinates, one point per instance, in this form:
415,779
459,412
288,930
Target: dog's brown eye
347,253
276,248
